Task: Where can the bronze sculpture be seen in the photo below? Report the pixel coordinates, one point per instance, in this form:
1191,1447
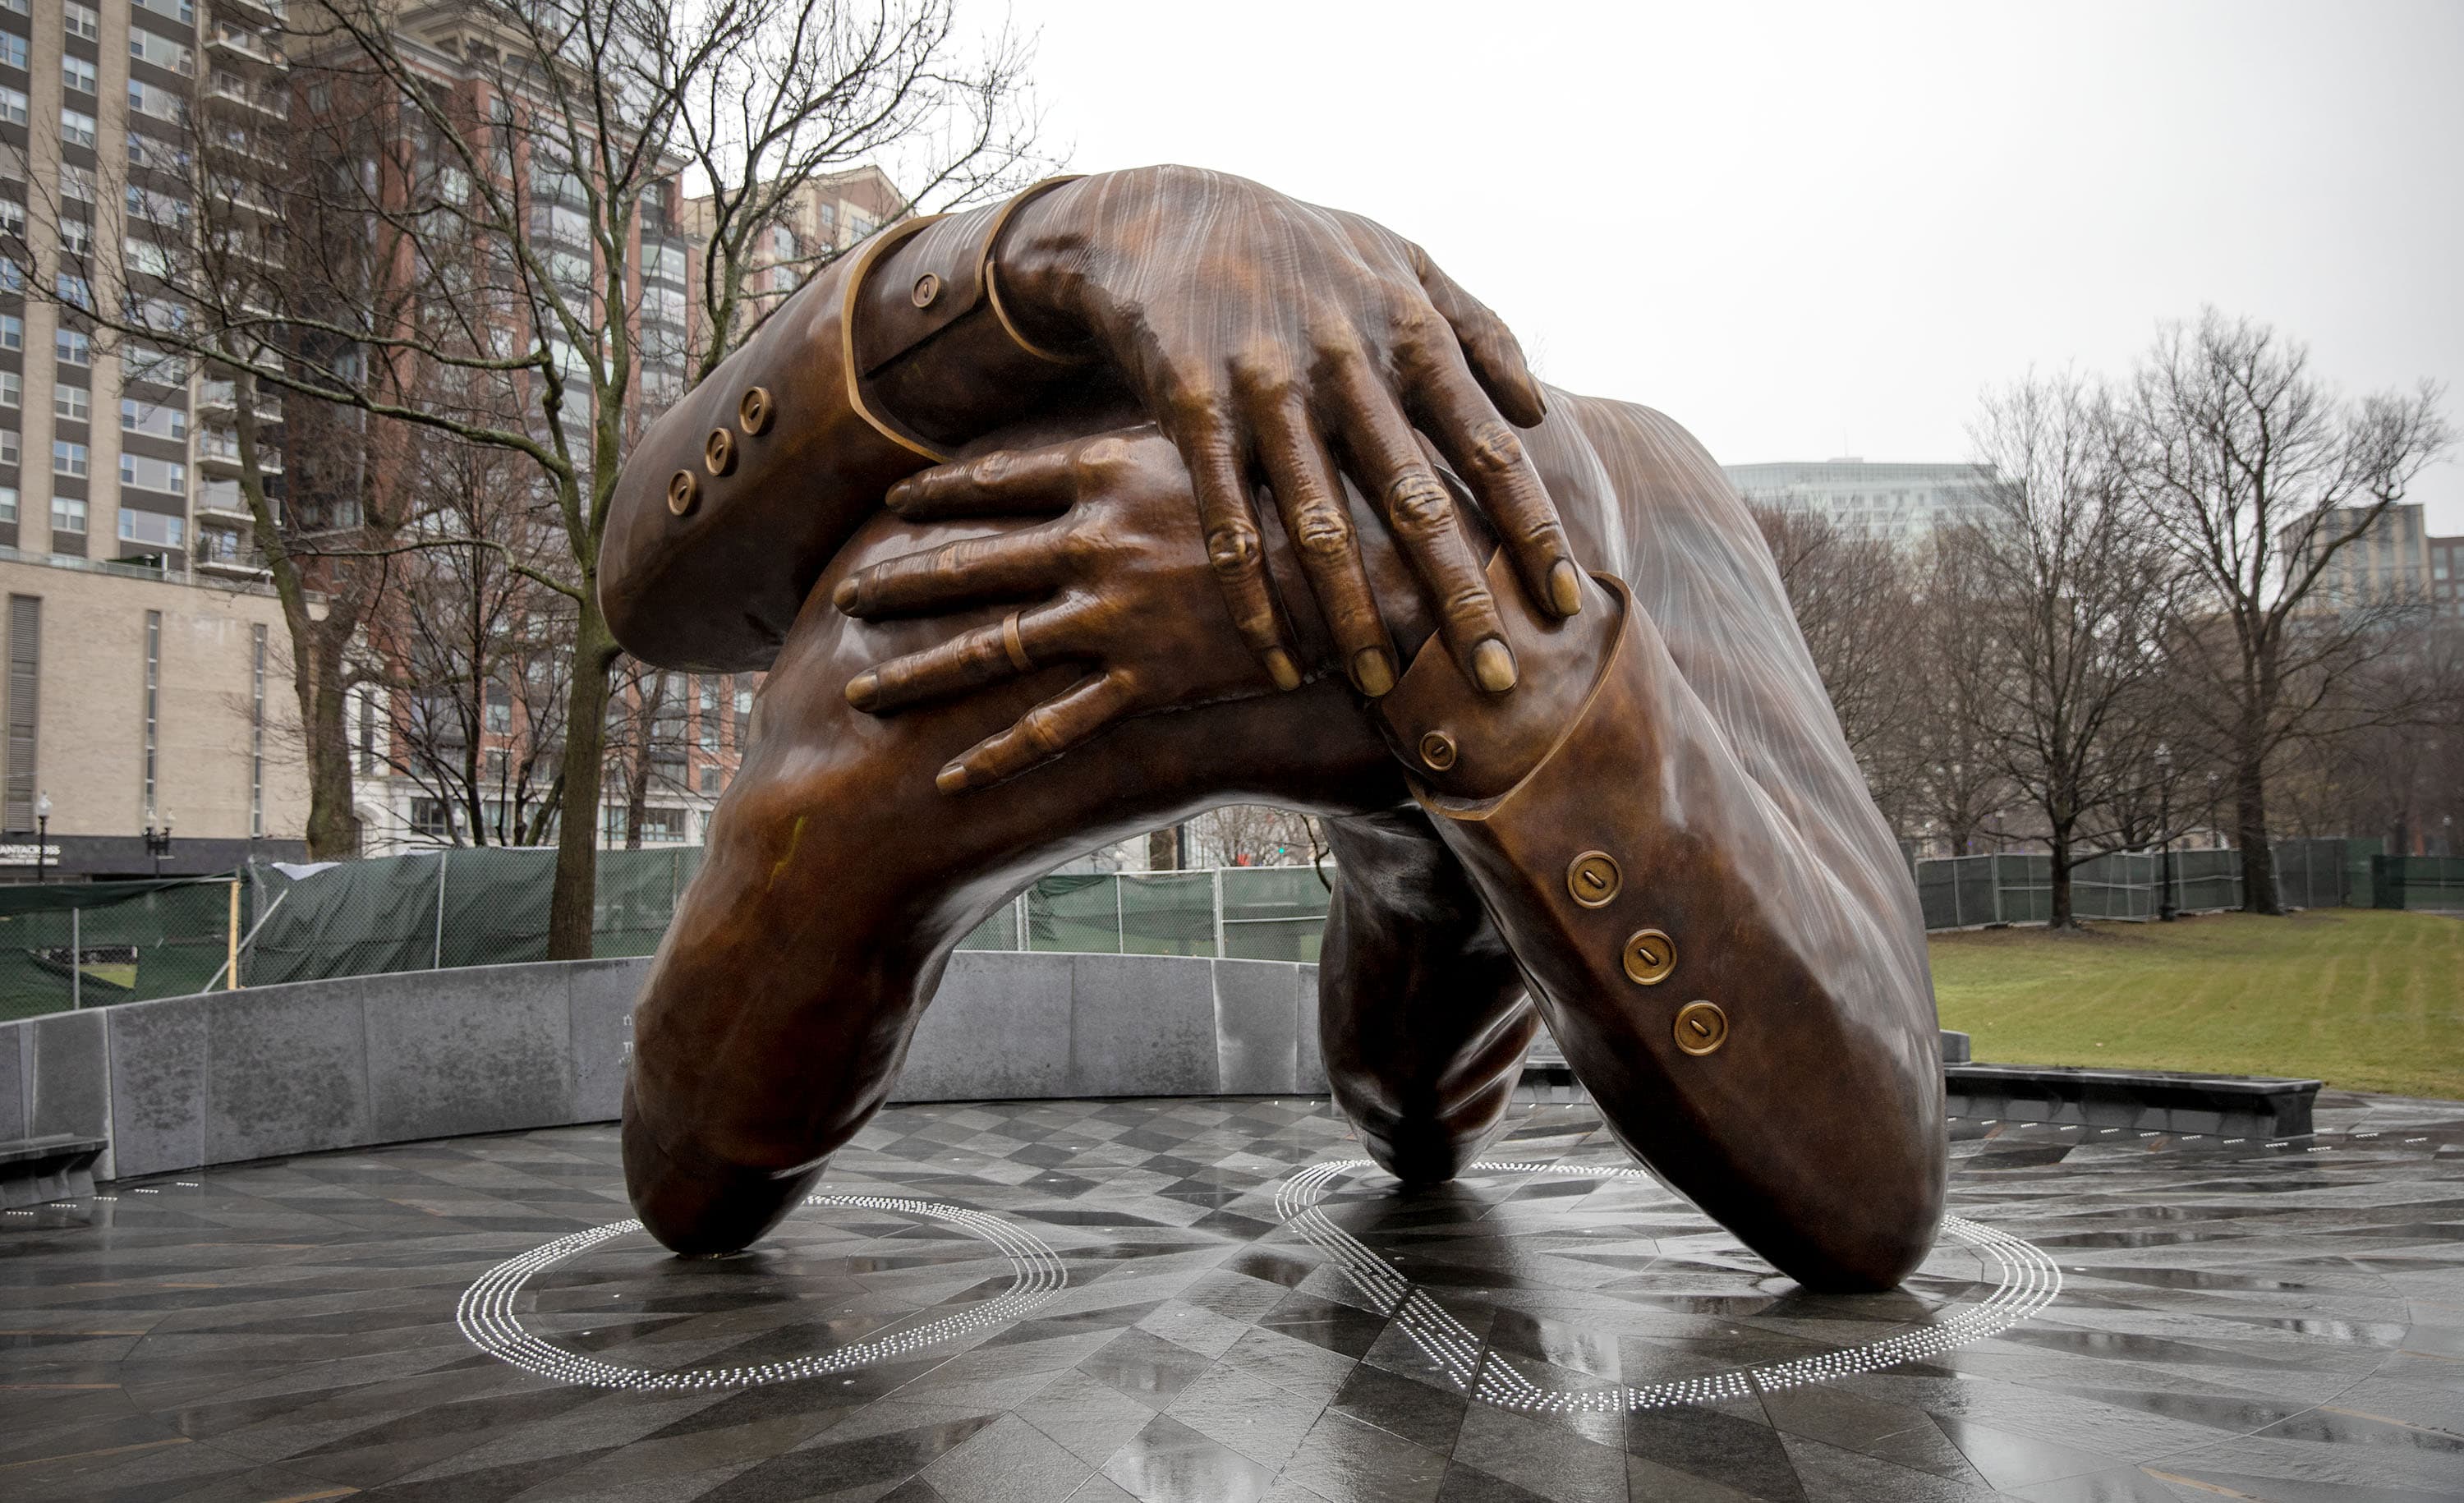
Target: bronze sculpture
1594,778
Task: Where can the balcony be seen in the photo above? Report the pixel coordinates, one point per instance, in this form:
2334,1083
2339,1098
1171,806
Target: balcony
218,453
235,41
231,88
222,397
238,564
259,12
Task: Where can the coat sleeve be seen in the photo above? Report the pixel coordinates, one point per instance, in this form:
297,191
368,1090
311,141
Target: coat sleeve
1755,1028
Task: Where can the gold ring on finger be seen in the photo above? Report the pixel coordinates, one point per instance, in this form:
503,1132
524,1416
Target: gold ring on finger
1017,645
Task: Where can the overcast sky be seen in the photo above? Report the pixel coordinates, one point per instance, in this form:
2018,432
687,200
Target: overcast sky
1818,230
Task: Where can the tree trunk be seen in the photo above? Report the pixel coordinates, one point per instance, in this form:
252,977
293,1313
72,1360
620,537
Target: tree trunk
325,722
2061,846
570,907
2259,895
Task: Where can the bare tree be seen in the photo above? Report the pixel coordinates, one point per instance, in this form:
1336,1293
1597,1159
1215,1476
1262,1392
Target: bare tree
2256,475
1255,834
1855,600
2059,598
456,244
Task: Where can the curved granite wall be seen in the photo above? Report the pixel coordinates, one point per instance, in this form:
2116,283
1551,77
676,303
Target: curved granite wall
230,1076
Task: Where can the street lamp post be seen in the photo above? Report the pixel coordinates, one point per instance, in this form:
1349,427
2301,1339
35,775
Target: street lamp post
158,842
2164,910
42,830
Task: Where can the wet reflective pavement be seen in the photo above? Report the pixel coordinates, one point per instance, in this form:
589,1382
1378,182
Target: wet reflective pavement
1139,1311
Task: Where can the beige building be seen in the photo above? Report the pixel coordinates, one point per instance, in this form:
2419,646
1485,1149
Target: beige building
132,702
2389,564
824,217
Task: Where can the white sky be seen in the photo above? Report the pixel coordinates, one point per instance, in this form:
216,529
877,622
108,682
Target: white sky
1821,229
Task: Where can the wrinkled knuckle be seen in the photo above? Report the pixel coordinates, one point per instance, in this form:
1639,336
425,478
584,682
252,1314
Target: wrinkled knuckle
1098,458
1492,449
1419,502
1323,532
1039,728
1233,549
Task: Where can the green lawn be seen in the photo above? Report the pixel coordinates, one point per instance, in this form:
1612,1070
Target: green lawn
2361,999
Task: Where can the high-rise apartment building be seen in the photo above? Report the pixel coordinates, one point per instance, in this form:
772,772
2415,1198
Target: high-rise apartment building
823,217
147,682
1893,503
2393,562
2447,578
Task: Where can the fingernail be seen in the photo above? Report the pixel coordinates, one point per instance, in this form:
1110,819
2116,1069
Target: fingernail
1493,665
1280,669
843,597
864,689
952,779
1565,587
1372,671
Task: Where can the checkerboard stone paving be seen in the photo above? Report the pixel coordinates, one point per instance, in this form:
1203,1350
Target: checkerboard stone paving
2242,1320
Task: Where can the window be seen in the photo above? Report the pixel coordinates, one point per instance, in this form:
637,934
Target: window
73,347
13,389
76,72
499,710
146,362
184,11
9,504
68,459
710,782
671,262
12,50
147,99
7,446
12,218
147,473
12,331
13,274
76,183
256,737
76,128
77,237
152,418
136,527
153,701
433,818
161,50
81,20
68,514
12,106
72,402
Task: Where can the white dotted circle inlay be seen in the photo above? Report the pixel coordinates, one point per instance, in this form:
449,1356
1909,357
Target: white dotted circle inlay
2025,1282
486,1317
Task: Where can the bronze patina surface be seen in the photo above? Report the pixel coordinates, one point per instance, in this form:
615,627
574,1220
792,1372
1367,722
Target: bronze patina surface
1243,499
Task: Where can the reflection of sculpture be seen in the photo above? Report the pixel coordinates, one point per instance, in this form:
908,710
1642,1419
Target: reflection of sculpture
1632,800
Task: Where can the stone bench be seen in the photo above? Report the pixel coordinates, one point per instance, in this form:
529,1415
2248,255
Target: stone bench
56,1167
2148,1100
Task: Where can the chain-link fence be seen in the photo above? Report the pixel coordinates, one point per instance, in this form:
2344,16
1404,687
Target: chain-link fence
69,945
2418,882
89,944
1238,912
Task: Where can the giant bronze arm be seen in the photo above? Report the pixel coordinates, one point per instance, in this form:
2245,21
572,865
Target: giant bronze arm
1270,338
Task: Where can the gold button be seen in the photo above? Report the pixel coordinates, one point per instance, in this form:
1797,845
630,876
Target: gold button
927,288
1593,878
719,451
1701,1027
1438,750
1649,956
684,489
753,413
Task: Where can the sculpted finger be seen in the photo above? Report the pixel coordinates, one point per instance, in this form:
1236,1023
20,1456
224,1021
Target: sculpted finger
1017,645
1318,519
1042,733
1027,565
1489,457
1495,355
1005,483
1234,547
1421,512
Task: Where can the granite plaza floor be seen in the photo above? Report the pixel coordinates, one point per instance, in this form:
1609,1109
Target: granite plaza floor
1095,1300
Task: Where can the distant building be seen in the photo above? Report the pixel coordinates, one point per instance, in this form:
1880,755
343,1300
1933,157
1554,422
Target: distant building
822,218
2447,578
1898,503
2390,562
